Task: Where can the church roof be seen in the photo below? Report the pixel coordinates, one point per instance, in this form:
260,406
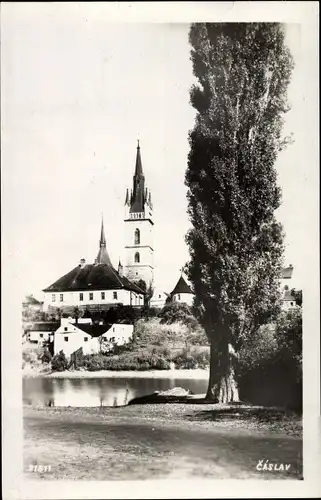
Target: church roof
103,257
92,277
181,287
138,196
98,276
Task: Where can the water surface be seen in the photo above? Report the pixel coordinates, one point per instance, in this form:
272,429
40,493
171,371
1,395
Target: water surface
43,391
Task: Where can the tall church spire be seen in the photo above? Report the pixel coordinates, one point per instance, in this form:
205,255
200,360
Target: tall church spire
138,198
138,167
103,257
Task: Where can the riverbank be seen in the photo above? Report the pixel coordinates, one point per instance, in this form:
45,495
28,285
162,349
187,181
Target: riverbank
172,441
196,374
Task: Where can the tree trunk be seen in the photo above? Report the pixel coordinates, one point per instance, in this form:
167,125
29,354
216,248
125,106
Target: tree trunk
222,387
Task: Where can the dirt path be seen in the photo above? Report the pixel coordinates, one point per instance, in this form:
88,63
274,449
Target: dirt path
115,446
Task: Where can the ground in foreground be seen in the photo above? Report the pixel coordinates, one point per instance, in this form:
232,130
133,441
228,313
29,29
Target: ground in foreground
162,441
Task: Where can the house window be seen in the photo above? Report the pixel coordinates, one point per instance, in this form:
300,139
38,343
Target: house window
102,295
137,257
159,296
66,339
85,339
81,296
179,296
61,297
91,296
53,297
41,335
137,237
115,295
291,303
66,328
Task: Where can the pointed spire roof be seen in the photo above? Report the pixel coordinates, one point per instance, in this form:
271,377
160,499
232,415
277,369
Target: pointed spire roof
102,232
138,167
181,287
138,197
103,257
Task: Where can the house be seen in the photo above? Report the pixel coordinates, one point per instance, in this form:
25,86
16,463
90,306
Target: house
96,286
288,300
40,332
71,336
182,292
32,303
158,299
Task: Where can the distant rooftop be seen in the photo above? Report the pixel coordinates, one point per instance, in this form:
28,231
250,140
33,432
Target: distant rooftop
287,272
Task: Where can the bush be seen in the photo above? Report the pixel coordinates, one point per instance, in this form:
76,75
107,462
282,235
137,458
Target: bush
269,367
46,357
177,312
59,362
144,360
190,359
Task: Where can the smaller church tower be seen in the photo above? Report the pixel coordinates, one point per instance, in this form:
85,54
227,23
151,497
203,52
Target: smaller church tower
139,252
103,257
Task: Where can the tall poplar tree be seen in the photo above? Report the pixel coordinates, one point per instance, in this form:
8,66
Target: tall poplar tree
236,244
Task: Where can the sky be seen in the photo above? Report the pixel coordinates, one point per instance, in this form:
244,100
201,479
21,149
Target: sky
79,92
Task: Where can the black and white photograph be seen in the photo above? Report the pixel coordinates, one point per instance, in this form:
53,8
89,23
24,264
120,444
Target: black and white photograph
160,179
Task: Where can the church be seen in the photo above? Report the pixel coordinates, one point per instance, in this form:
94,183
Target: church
98,285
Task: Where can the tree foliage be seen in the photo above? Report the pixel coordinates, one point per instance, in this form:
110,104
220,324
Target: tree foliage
236,243
175,312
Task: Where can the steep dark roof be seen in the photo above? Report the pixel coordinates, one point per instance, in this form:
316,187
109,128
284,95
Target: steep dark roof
43,327
138,196
103,257
287,272
181,287
30,300
92,277
93,330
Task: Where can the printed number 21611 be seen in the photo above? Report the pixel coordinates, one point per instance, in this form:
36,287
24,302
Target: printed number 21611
39,468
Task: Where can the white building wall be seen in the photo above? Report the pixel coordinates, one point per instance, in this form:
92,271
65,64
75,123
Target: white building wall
77,338
144,269
186,298
158,299
61,299
119,333
288,305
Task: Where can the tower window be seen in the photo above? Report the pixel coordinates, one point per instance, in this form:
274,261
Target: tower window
137,237
66,339
137,257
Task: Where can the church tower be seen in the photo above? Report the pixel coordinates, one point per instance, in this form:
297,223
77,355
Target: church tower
139,252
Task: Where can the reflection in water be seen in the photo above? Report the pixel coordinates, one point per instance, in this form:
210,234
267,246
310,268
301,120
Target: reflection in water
99,391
